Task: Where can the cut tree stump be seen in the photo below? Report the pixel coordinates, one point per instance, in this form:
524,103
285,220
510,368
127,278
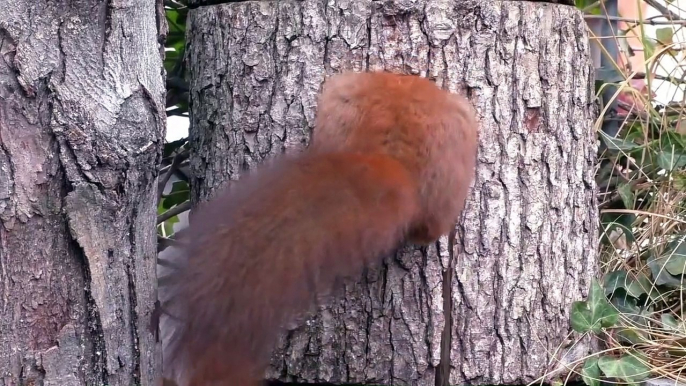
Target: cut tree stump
491,306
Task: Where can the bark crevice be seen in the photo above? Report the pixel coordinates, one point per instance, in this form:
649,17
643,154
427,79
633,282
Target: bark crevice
443,368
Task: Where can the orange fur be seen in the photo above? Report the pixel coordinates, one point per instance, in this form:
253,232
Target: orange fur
432,132
391,160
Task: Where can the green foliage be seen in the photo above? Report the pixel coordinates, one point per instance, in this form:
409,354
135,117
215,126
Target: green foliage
591,7
177,89
174,153
166,228
179,194
633,286
667,268
175,159
628,368
595,314
636,310
176,38
590,372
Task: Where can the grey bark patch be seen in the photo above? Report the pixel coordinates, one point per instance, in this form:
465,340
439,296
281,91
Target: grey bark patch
57,371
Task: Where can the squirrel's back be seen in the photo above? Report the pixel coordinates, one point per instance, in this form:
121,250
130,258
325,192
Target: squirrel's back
432,132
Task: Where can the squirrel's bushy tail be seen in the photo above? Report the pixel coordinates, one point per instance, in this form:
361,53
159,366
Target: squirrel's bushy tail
259,252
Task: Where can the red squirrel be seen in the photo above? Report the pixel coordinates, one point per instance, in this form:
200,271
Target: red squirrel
390,162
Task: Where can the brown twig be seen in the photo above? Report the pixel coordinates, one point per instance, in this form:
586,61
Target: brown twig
164,243
636,21
183,207
666,12
168,171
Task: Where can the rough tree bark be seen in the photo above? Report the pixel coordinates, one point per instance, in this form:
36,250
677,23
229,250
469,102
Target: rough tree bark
490,307
81,127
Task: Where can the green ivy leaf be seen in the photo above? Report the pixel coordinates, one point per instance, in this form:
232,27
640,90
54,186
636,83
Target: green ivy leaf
590,372
660,274
665,36
631,335
675,257
603,314
672,138
670,160
638,285
180,193
627,367
626,194
618,143
670,323
660,293
633,286
580,318
627,306
679,180
594,314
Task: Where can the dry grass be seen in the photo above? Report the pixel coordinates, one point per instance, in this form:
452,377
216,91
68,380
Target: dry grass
641,177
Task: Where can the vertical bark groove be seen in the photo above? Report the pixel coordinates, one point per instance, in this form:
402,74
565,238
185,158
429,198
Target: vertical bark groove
443,368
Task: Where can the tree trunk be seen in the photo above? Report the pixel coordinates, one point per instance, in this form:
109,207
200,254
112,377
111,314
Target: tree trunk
490,307
81,127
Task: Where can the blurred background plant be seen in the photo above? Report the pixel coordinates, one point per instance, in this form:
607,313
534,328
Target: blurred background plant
173,188
636,309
